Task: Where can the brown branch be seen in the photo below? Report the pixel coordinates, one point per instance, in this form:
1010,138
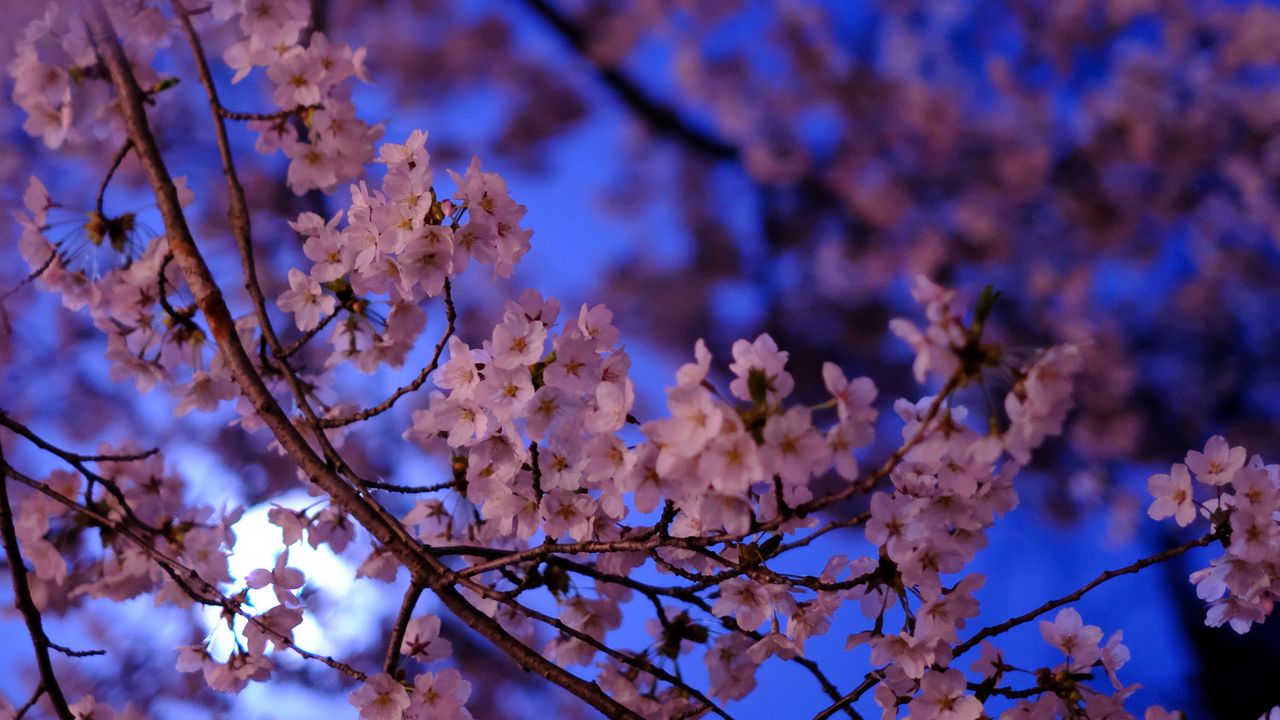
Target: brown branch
828,687
409,489
74,459
402,623
689,596
31,277
233,115
306,337
833,525
638,662
75,653
182,319
23,601
78,461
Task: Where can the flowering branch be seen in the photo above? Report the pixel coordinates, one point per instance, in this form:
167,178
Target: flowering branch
1069,598
547,467
209,297
186,578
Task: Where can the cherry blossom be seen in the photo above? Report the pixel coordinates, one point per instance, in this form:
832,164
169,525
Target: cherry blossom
440,695
944,696
1218,463
381,697
422,639
305,300
1173,496
282,579
1076,640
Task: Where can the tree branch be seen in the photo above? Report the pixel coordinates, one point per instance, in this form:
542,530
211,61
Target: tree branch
662,118
73,458
23,601
402,623
867,683
30,703
1134,567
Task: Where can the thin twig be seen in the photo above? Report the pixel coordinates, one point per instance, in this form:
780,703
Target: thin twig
73,458
867,683
32,276
409,489
78,461
306,337
1131,568
116,160
182,319
637,662
250,116
75,653
35,697
451,317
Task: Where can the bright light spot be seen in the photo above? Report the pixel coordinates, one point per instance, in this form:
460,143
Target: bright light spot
258,542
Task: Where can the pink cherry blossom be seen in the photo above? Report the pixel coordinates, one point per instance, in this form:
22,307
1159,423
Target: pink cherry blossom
1218,463
1069,634
1173,496
422,640
305,300
381,697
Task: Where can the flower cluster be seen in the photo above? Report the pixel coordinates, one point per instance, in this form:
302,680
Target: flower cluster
1062,691
310,82
151,333
433,696
936,345
56,74
153,542
1241,500
402,243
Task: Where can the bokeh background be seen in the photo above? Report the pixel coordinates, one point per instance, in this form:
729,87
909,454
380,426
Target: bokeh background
719,168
